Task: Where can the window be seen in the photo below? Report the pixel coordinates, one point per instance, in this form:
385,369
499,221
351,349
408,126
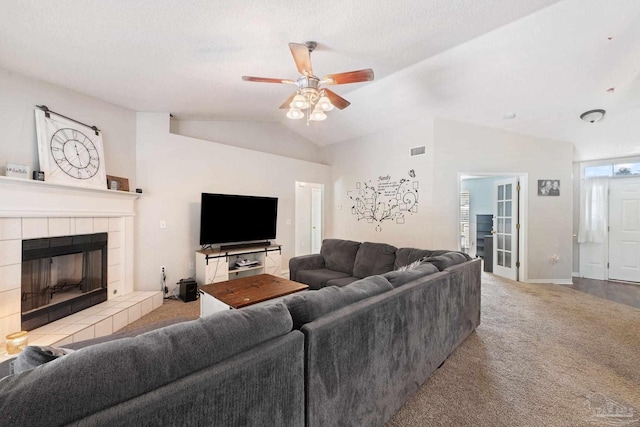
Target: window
618,169
625,169
464,222
594,171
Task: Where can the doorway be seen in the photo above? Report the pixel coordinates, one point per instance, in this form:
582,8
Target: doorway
309,219
616,256
497,209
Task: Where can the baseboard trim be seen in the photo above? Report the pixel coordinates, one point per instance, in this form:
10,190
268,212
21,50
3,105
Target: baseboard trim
575,274
553,281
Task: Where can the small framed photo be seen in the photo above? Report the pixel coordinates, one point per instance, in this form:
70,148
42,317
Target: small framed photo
117,183
548,187
15,170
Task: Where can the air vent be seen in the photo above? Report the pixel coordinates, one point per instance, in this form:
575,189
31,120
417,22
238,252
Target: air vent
418,151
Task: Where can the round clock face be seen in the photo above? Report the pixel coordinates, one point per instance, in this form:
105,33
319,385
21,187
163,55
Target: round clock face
74,153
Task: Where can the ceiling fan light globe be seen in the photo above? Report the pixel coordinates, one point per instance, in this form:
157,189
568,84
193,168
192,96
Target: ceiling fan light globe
318,115
299,102
295,114
325,103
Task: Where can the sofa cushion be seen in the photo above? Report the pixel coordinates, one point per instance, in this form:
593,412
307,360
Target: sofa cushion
399,278
307,306
317,279
406,256
447,260
343,281
339,255
100,376
373,259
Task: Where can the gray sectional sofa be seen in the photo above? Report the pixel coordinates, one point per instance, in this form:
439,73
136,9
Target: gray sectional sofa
370,344
340,355
341,262
241,367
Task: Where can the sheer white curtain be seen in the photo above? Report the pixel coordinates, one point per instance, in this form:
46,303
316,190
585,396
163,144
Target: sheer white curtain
594,205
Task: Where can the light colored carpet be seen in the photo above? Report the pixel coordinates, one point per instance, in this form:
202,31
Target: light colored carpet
170,308
544,355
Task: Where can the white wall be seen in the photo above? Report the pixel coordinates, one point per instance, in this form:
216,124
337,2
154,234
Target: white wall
454,147
461,147
269,137
18,97
379,155
174,170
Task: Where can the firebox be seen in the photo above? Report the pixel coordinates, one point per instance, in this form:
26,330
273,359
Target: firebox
62,276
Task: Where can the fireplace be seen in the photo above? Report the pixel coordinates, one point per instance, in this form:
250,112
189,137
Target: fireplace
62,276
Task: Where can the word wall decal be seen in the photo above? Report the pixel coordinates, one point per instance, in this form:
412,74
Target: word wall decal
385,200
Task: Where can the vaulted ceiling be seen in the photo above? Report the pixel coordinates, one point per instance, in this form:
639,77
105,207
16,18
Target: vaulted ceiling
546,61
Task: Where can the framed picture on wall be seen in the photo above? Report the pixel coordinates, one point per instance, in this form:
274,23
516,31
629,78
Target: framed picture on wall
68,151
117,183
548,187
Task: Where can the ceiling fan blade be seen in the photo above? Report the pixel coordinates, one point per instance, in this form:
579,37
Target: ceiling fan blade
286,103
348,77
267,80
336,100
302,58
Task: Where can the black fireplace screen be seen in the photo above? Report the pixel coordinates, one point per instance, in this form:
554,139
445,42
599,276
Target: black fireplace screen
62,275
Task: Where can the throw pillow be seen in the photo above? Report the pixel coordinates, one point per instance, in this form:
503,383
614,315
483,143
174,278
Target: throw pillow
34,356
418,269
411,266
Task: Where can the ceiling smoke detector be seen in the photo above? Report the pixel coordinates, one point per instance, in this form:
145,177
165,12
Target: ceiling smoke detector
592,116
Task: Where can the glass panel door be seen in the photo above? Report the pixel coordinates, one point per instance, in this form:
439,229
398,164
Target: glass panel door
505,232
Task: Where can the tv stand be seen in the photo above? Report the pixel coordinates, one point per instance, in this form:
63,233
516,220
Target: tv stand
245,245
218,265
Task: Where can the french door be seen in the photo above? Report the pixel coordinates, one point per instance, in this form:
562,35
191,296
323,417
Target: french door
505,228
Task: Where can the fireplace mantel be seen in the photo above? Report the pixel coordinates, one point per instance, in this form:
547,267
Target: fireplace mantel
30,198
32,209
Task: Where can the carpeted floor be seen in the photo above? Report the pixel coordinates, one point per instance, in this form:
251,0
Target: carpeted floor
544,355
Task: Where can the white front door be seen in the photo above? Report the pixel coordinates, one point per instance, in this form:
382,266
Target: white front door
624,229
316,220
505,237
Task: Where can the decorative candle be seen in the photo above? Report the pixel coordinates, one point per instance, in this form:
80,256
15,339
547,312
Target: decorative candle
17,341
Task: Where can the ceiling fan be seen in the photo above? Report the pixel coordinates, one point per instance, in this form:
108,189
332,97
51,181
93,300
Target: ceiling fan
311,92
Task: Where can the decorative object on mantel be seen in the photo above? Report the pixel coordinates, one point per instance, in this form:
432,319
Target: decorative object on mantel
70,152
548,187
16,342
38,175
15,170
117,183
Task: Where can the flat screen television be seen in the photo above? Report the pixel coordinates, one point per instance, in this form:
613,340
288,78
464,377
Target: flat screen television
228,218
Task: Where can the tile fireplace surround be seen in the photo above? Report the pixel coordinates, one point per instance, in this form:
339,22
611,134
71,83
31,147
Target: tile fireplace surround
34,209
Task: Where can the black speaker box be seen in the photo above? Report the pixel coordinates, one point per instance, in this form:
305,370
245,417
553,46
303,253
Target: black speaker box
188,290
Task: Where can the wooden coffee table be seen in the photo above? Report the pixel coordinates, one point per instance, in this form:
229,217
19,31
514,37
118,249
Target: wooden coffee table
245,291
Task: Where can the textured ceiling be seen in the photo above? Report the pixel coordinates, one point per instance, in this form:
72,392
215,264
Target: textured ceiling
466,60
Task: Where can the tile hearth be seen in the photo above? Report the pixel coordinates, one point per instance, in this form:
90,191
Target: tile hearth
97,321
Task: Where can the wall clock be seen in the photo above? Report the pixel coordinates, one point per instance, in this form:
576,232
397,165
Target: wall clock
69,153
